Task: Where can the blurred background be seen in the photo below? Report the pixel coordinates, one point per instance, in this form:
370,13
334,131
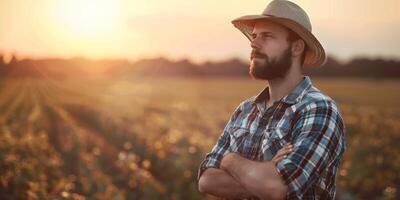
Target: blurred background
118,99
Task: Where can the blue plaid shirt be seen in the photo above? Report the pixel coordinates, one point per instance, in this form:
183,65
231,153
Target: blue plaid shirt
306,118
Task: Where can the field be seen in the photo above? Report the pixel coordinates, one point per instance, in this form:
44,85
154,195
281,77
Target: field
144,138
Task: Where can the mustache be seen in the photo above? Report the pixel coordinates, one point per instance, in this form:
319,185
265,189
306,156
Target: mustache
255,53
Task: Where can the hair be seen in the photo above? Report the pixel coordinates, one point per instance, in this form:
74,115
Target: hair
292,36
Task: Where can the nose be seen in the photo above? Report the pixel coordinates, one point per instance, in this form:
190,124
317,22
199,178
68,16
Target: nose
254,44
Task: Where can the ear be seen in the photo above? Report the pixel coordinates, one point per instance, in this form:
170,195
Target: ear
298,47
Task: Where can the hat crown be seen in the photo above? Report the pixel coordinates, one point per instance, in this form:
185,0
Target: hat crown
292,17
288,10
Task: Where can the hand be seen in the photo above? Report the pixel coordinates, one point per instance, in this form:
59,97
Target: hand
228,159
282,153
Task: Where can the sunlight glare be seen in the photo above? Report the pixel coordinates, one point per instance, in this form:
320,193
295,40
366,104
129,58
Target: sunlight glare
89,18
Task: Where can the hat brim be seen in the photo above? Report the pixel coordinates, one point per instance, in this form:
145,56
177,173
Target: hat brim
315,55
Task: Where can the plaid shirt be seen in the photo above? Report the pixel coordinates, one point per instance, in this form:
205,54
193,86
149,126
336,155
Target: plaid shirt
306,118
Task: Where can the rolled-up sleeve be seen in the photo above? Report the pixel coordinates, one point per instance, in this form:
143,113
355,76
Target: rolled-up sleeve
221,148
318,140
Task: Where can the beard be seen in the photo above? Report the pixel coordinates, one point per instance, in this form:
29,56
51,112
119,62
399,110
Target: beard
263,67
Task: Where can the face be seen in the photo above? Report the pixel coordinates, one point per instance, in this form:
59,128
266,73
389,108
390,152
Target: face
271,56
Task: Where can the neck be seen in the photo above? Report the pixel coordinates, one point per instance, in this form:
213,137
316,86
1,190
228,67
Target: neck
281,87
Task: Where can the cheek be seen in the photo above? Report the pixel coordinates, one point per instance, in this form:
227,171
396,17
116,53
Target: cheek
276,53
273,48
270,49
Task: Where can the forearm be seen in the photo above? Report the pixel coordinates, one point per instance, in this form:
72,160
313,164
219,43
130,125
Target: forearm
219,183
259,178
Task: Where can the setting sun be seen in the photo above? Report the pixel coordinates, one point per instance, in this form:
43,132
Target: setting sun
89,18
199,30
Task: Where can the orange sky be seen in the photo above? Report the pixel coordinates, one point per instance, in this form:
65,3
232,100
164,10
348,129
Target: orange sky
199,30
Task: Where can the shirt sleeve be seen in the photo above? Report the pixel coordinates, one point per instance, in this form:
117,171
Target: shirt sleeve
318,140
221,148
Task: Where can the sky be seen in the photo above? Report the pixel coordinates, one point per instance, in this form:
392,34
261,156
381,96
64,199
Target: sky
198,30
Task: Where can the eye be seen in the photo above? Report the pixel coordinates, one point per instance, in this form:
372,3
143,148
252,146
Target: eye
262,35
266,35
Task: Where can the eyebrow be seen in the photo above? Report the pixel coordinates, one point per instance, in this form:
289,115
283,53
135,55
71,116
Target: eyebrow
253,35
263,33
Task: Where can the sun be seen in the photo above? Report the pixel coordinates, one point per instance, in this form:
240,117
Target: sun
88,18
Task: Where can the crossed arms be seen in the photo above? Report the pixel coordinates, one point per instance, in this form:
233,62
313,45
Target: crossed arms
240,178
318,142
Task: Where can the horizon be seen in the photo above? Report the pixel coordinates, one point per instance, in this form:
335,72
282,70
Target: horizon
7,59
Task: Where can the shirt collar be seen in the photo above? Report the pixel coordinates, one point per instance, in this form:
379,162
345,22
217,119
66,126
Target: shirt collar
293,97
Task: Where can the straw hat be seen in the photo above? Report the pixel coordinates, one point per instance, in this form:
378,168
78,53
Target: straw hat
293,17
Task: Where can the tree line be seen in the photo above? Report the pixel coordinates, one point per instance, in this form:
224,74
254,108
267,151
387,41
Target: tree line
162,67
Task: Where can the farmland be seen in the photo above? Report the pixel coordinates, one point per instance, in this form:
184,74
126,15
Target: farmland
144,138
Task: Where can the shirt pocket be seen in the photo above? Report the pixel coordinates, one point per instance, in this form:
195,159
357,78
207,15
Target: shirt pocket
272,142
238,136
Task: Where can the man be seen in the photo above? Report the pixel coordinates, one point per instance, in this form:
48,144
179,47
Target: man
287,141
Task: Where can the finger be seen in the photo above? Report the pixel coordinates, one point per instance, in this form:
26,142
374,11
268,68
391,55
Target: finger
279,158
287,146
282,154
284,151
